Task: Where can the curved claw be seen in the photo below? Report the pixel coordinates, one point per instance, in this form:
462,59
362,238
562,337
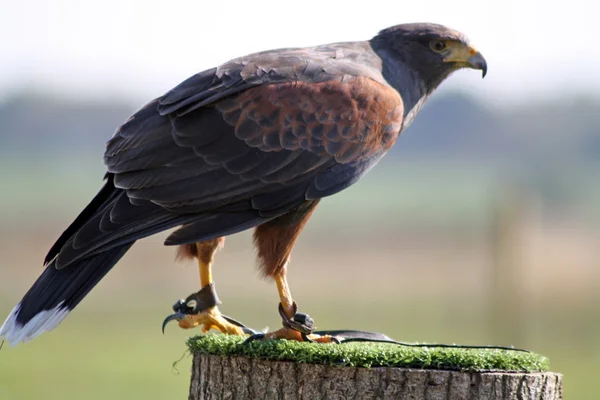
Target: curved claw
173,317
256,336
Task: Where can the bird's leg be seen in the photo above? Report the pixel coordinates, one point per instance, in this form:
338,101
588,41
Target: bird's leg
274,241
200,309
296,326
285,295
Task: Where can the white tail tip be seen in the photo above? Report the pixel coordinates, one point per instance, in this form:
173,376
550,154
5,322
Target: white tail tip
44,321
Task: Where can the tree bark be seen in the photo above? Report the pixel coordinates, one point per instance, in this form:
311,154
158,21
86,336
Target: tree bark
216,378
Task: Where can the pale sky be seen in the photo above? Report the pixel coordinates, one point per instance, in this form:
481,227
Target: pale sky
141,48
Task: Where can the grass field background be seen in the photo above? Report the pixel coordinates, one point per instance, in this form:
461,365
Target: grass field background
407,252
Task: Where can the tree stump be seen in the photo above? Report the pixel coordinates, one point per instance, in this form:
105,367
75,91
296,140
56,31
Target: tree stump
224,367
236,377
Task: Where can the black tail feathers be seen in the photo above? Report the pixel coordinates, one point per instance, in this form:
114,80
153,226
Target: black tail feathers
55,293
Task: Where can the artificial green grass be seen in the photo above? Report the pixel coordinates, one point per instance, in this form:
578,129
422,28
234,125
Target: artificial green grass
361,354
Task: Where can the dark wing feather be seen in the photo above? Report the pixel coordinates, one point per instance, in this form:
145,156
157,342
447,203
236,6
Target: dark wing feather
235,146
106,194
119,222
265,141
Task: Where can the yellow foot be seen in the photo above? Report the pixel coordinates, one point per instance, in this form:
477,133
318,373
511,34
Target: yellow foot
298,328
200,309
209,319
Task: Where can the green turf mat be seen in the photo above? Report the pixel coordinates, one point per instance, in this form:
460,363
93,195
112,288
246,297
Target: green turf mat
371,354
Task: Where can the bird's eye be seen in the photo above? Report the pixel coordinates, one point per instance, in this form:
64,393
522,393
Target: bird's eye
437,45
192,304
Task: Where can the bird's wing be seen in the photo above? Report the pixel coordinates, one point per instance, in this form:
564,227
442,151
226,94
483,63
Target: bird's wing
250,140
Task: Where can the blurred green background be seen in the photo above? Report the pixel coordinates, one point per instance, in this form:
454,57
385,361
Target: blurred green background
480,227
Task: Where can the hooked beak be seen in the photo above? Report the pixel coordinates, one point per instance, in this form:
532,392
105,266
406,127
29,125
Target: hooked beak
178,316
465,56
476,61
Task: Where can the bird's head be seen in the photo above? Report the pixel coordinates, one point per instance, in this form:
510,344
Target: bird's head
432,51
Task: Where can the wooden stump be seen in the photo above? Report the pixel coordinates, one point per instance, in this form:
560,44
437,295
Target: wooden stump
234,377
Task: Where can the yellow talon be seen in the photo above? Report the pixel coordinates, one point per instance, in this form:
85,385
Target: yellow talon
208,320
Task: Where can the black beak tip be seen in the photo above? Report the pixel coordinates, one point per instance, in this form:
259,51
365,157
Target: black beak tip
173,317
483,67
477,61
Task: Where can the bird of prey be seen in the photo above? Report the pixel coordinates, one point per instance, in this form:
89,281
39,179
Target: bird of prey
256,142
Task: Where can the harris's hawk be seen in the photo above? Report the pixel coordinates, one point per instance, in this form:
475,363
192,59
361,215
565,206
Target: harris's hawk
253,143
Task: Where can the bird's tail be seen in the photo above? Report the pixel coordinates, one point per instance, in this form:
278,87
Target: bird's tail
55,293
59,289
95,242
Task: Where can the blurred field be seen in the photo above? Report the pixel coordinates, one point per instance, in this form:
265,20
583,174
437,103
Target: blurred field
410,252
